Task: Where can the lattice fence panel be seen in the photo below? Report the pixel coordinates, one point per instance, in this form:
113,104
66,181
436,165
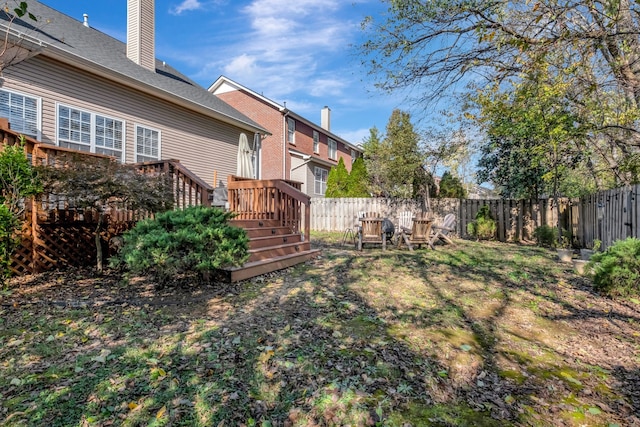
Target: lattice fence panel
63,244
22,259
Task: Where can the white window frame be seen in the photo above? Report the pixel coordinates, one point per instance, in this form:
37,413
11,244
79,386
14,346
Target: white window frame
92,133
38,100
354,156
332,147
291,131
135,142
316,142
323,174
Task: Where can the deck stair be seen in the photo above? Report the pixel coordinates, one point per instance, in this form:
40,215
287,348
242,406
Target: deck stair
271,247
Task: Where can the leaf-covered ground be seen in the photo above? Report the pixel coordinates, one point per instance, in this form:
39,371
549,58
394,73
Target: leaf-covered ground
478,334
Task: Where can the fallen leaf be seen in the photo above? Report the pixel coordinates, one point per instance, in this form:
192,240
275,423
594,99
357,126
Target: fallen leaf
161,412
132,406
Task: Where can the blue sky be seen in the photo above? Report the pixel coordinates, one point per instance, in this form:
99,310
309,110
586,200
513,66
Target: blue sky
301,52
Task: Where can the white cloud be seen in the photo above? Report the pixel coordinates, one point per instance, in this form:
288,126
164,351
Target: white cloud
288,51
299,8
327,87
186,6
242,65
353,136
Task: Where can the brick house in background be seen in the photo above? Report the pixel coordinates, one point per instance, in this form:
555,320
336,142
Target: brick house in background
297,148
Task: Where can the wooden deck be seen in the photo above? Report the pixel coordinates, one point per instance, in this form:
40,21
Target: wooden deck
275,214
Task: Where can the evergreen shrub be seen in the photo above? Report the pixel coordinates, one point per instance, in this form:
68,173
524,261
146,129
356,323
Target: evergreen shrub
545,236
616,271
197,239
484,226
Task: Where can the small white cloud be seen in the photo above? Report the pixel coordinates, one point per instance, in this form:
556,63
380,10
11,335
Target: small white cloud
243,65
186,6
327,87
355,137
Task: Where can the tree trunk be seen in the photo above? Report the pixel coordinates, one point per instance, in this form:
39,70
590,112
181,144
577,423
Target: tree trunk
98,241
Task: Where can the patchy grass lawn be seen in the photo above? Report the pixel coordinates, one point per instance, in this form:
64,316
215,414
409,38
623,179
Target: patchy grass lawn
480,334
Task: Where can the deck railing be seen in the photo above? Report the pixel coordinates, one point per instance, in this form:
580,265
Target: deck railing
56,233
277,199
188,189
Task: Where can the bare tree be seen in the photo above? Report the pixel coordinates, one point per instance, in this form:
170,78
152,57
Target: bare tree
17,45
592,47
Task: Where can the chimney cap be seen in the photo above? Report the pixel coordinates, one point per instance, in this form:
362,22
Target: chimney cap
86,19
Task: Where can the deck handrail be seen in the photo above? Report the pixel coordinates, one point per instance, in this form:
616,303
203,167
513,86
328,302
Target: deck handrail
270,199
189,189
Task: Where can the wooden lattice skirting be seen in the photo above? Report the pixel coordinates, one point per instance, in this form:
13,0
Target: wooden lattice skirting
51,245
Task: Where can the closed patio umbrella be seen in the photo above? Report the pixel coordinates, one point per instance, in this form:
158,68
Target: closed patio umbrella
245,167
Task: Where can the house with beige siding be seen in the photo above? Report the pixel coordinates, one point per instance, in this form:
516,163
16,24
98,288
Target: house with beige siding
79,88
295,148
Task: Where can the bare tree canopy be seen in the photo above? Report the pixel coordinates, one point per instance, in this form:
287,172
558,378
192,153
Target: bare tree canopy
585,52
441,42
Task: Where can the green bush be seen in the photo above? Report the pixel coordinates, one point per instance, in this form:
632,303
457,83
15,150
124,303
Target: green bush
545,236
17,181
484,226
616,272
197,239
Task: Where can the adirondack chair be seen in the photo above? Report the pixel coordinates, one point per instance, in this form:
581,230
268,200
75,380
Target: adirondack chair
442,231
418,234
371,231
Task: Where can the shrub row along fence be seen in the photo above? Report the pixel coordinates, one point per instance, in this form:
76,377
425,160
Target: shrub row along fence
607,216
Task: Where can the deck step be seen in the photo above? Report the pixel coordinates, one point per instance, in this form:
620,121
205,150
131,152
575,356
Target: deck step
256,268
267,231
271,247
275,240
279,250
255,223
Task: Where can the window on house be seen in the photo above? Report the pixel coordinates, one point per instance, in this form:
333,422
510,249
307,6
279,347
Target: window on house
354,156
87,131
291,130
316,142
333,149
147,144
22,111
320,180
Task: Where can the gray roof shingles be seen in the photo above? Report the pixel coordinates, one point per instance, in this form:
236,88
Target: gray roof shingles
62,32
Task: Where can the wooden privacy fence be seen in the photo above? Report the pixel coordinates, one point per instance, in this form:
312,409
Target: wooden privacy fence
607,215
516,219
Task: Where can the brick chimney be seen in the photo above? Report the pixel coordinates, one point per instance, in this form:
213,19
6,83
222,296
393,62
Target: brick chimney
141,33
325,118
